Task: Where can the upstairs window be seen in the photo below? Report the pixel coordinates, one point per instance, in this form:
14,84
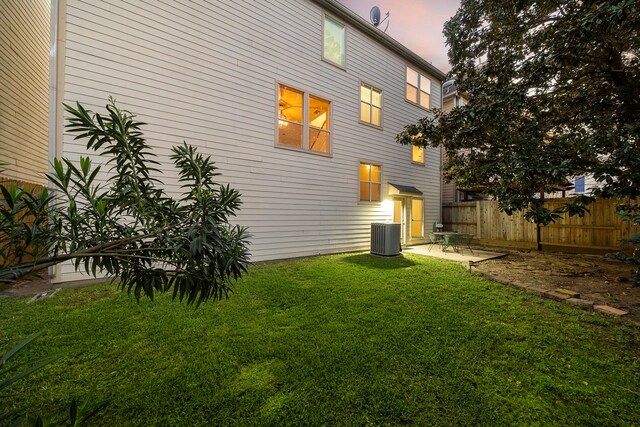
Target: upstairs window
370,182
418,88
303,120
370,105
579,184
334,42
417,155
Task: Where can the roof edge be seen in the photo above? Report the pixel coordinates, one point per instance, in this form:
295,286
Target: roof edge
361,24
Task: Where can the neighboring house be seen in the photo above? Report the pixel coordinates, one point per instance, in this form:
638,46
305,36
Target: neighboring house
24,91
583,184
452,98
297,101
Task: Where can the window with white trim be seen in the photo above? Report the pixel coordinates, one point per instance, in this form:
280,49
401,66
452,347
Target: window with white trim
303,120
334,44
370,182
418,88
417,218
579,184
370,105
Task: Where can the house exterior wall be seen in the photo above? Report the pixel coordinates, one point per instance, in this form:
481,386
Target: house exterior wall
24,89
207,73
590,184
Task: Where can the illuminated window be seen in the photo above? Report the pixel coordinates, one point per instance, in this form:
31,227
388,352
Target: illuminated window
579,184
319,135
417,218
333,42
370,104
417,154
294,129
418,88
370,179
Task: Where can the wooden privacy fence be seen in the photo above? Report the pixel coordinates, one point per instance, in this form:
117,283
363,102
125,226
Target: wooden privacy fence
27,186
598,231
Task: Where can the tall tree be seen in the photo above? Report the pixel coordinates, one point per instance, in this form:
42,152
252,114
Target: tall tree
128,227
553,89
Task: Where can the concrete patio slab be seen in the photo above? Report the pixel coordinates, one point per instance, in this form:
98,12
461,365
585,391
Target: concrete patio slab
464,256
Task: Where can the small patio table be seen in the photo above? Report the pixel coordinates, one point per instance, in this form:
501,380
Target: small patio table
454,239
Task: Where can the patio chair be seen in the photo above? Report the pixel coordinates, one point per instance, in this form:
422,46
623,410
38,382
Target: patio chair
435,240
450,240
465,240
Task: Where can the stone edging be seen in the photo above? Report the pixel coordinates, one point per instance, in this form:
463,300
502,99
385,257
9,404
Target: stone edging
557,295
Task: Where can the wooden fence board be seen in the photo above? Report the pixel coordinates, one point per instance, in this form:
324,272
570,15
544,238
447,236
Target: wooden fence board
599,230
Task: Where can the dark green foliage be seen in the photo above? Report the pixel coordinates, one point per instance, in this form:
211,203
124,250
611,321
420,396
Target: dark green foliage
557,95
128,227
346,340
34,366
631,213
78,414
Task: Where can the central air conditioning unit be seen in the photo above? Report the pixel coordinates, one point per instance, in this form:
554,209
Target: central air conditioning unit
385,239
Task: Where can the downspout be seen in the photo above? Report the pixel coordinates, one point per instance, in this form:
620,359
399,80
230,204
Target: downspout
441,221
56,96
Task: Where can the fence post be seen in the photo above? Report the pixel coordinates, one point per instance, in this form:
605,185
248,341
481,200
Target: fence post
478,224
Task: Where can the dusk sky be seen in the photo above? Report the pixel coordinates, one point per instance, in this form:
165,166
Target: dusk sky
417,24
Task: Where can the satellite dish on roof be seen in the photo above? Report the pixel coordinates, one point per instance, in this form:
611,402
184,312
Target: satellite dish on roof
374,15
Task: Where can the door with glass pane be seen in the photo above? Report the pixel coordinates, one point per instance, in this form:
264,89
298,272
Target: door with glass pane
417,219
399,218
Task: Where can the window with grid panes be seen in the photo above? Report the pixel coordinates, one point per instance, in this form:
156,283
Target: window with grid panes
303,120
418,88
370,182
370,105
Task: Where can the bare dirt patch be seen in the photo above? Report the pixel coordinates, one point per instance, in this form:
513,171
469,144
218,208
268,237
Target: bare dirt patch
594,277
25,287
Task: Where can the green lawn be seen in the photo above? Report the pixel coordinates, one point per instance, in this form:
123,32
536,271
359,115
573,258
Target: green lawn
338,340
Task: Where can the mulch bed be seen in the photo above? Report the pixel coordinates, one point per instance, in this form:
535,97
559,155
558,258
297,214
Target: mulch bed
594,277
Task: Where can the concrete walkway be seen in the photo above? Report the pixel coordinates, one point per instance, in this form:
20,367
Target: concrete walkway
464,256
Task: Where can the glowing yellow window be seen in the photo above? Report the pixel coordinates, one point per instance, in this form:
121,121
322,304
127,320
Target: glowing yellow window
319,136
311,132
370,182
290,122
417,154
370,104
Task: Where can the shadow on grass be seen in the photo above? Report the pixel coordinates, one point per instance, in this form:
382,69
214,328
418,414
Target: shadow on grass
380,262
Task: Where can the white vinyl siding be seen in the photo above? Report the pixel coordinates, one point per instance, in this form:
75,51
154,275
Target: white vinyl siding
205,73
24,89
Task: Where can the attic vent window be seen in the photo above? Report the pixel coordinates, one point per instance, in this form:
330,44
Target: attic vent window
334,42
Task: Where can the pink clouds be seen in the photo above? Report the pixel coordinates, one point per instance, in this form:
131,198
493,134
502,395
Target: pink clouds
417,24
